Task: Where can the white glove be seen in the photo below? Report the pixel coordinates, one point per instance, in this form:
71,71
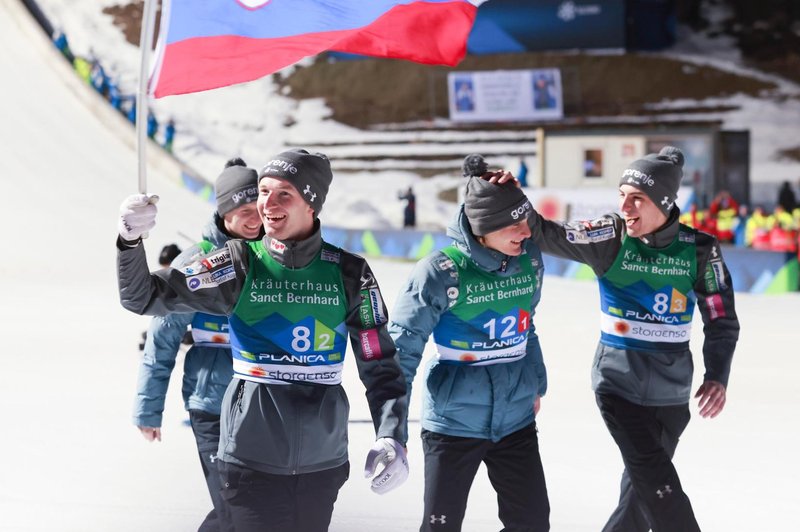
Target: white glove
392,455
137,215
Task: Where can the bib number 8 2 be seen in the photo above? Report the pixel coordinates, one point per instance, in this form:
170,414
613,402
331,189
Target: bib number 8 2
302,340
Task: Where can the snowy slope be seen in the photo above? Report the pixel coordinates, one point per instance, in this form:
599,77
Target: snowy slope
75,463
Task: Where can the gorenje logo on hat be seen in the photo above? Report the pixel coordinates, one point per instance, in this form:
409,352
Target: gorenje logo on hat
286,166
248,194
638,178
522,209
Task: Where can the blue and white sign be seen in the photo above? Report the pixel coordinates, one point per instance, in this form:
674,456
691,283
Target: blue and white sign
505,95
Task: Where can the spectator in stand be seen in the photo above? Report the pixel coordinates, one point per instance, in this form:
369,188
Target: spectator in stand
60,41
169,135
98,78
83,68
722,201
782,231
756,232
152,125
522,174
132,110
114,96
410,210
696,218
786,197
740,233
724,211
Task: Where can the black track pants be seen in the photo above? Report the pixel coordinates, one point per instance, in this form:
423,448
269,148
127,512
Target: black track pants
205,427
651,496
515,471
261,502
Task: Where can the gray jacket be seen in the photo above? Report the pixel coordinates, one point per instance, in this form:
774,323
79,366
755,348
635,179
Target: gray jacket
281,429
649,378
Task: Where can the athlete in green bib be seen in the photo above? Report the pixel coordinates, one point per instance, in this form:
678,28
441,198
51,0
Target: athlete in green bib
652,273
485,377
294,302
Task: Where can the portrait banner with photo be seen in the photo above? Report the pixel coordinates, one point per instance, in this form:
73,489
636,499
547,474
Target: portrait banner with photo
505,95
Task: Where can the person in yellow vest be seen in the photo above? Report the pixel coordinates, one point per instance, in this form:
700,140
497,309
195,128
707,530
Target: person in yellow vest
727,220
756,232
782,230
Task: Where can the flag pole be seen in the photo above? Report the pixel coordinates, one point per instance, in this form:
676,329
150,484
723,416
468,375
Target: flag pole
145,44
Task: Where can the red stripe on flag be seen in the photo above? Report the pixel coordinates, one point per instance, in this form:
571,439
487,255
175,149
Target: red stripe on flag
434,34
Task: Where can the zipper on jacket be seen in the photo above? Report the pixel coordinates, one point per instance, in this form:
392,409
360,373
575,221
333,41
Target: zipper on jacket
503,265
297,441
237,405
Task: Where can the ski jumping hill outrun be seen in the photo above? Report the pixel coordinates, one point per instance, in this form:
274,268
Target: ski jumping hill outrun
73,461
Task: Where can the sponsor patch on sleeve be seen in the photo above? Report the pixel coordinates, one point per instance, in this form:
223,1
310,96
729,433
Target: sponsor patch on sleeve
370,345
715,307
719,273
715,276
597,223
371,309
216,259
210,279
590,236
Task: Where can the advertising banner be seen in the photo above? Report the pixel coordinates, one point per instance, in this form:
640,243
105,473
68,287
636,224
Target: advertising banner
505,95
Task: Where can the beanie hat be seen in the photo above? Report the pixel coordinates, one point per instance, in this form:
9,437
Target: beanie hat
168,254
658,176
237,185
489,206
309,173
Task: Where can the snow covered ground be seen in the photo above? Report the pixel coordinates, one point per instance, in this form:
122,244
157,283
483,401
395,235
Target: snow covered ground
75,463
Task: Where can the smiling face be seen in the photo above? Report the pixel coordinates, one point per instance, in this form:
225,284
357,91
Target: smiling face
243,222
284,213
508,240
642,216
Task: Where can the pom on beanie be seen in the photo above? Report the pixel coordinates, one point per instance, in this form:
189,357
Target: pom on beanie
237,185
657,175
309,173
474,165
488,206
168,254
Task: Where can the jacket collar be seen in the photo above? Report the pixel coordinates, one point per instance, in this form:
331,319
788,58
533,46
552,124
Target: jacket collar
664,235
295,253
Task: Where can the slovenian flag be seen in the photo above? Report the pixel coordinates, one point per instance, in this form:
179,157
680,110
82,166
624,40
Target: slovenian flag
214,43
